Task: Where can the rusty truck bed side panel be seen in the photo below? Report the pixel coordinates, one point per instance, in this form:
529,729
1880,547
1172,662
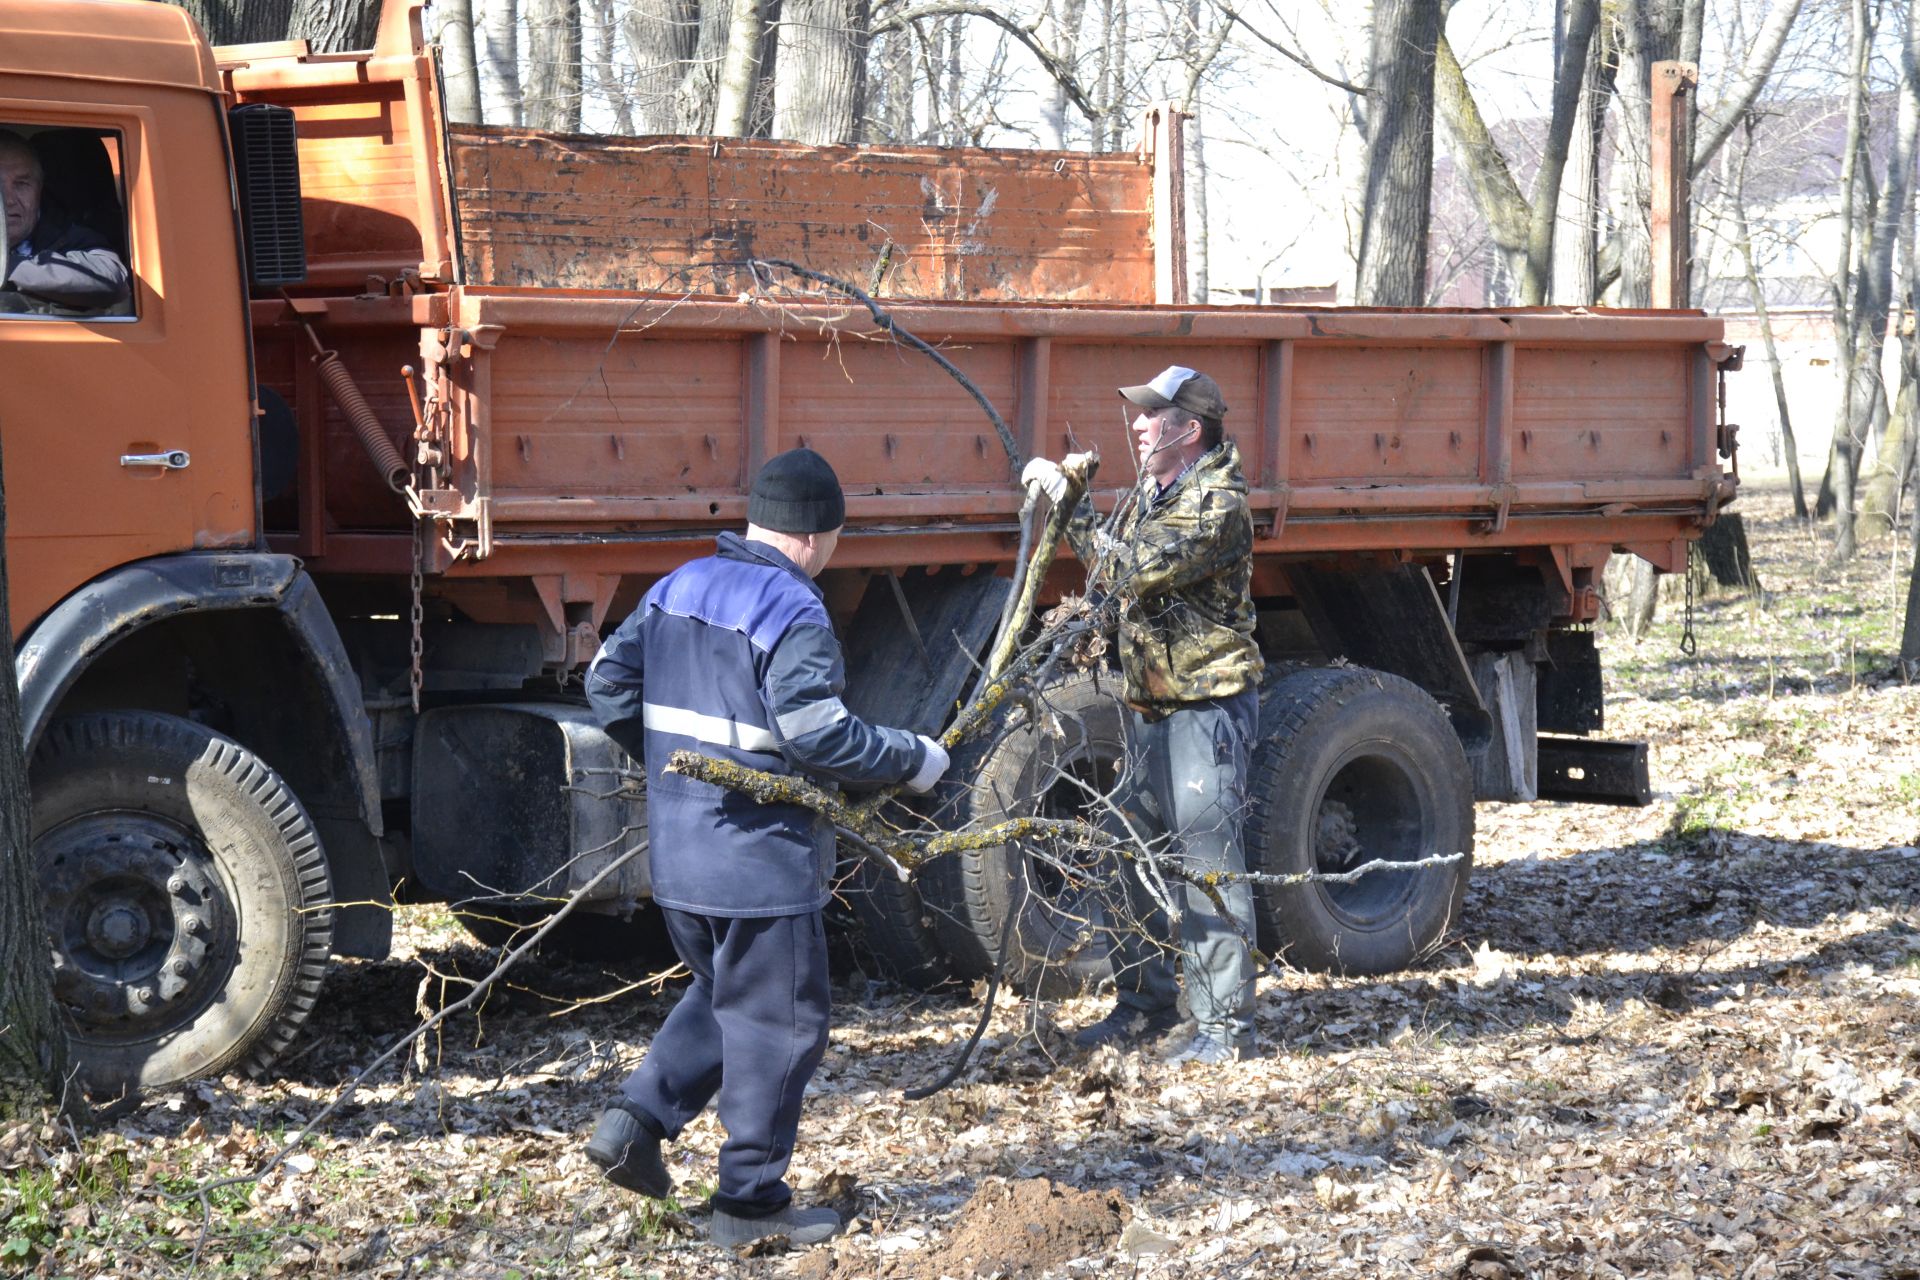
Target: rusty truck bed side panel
676,213
1409,431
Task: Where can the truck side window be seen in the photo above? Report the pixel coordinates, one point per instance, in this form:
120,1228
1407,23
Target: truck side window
66,223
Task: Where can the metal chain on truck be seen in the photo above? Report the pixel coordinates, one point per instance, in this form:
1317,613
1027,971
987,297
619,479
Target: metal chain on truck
416,646
1687,642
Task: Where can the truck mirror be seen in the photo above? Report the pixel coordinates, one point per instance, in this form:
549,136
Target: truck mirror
266,166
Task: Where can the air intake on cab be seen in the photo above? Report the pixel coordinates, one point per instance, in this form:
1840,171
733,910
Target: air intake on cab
267,169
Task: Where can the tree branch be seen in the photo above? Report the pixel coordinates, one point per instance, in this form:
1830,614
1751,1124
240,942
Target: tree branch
1054,65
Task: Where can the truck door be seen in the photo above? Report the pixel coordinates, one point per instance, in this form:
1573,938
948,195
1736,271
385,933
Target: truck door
125,412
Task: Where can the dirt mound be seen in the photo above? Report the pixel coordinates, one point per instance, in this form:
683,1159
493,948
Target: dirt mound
1026,1228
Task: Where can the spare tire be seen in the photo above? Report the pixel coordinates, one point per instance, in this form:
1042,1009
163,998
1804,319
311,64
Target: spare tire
186,894
1055,945
1355,765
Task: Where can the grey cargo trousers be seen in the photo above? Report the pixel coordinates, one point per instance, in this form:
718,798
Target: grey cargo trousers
1185,794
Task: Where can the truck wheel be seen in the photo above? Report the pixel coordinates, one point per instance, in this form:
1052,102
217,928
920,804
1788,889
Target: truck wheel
1056,945
1355,765
897,926
186,894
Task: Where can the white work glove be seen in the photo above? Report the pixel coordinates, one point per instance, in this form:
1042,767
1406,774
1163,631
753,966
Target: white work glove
1051,476
931,768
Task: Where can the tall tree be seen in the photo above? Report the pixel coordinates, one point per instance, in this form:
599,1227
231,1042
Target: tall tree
1854,406
819,94
496,39
552,65
1892,227
740,69
1522,229
33,1043
330,26
1757,294
1399,181
459,73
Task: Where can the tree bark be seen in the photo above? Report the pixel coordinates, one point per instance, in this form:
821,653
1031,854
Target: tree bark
820,92
33,1040
1400,104
739,70
334,26
459,73
1892,228
662,37
552,65
890,106
1064,18
497,50
330,26
1651,32
255,22
1854,405
1759,298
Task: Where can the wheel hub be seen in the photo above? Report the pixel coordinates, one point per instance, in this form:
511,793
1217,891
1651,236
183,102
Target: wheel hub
139,922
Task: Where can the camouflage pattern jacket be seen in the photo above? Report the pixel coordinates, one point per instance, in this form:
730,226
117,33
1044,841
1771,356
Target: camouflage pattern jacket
1181,563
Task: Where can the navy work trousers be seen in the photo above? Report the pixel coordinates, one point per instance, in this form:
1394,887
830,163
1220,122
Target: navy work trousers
751,1028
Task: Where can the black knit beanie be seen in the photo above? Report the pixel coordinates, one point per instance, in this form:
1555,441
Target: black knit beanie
797,492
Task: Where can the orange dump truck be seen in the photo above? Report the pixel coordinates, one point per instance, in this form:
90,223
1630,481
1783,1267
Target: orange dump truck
296,632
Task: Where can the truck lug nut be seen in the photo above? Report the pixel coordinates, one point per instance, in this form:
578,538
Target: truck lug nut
176,884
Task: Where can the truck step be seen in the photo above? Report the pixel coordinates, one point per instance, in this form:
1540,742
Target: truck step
1594,771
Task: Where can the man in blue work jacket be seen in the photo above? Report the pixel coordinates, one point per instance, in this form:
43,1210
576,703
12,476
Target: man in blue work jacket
734,656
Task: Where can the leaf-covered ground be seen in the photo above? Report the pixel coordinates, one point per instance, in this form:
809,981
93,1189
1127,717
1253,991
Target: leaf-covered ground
1677,1041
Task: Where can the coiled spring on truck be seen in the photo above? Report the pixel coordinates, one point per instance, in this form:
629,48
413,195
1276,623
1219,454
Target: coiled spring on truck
346,393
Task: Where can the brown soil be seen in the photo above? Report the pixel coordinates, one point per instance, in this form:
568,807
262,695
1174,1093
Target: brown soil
1014,1229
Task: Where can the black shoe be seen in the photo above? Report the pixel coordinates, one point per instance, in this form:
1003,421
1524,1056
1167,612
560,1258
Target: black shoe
629,1154
1125,1024
801,1227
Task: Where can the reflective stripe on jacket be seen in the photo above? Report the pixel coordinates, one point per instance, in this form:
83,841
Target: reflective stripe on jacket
734,656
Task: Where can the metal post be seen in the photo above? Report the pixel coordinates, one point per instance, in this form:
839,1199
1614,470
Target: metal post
1672,144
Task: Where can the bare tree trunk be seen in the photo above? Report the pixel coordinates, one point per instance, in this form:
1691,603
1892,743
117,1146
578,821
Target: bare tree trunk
251,23
1651,33
1109,132
1400,89
1892,229
1855,403
1759,297
1577,249
890,108
606,74
334,26
820,92
497,50
459,74
33,1040
552,65
1064,18
739,70
330,26
1196,179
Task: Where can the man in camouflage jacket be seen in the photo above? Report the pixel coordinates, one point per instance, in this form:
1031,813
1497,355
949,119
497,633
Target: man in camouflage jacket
1178,555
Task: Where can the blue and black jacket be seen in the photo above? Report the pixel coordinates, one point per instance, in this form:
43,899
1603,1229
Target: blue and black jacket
734,656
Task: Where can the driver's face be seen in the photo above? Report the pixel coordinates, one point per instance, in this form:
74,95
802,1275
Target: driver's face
20,185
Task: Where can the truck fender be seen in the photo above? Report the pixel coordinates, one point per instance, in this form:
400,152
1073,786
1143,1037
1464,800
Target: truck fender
60,648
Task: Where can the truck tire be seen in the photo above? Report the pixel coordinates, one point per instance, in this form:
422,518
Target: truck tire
1055,945
187,897
897,927
1355,765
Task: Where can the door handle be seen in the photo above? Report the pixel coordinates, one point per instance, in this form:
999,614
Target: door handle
171,460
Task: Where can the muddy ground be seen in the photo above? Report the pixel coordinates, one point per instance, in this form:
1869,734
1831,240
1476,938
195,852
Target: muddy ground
1679,1041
